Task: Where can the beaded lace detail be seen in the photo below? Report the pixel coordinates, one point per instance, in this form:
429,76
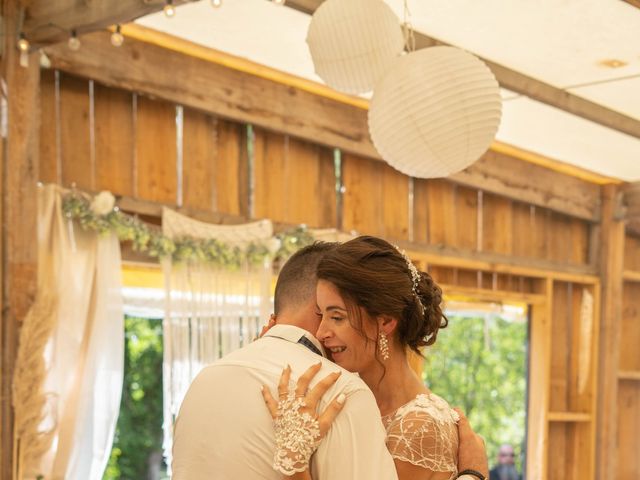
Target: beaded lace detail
424,432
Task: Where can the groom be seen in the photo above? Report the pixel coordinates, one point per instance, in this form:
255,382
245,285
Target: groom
224,431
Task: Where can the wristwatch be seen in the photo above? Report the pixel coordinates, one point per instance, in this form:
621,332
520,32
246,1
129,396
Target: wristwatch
470,475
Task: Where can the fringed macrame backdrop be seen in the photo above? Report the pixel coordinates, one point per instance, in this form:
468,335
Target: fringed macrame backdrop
210,310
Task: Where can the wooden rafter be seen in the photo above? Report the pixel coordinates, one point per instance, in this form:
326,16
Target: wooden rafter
525,85
48,21
239,96
635,3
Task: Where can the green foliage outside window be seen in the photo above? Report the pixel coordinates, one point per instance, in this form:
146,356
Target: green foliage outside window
479,365
137,447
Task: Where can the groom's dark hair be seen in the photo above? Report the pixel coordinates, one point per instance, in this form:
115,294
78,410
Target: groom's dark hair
297,280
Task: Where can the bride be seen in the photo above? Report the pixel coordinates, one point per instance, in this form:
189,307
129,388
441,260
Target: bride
375,306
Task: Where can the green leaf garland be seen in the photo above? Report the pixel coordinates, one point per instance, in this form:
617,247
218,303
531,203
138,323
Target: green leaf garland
150,240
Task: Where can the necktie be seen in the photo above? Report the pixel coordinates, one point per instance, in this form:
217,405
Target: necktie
309,344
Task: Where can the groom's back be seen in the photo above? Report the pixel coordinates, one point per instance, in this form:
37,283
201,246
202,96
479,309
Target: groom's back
224,430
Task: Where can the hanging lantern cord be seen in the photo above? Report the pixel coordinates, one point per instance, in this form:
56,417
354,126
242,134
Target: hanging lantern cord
407,30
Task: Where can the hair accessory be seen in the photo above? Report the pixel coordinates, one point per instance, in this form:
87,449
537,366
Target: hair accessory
415,276
383,345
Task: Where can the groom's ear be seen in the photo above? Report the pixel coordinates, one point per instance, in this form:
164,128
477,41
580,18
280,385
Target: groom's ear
387,324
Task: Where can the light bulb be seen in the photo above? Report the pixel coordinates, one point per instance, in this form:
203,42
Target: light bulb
23,43
169,9
74,41
279,2
216,3
117,38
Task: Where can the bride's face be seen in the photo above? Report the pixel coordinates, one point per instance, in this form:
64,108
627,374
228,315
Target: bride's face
347,346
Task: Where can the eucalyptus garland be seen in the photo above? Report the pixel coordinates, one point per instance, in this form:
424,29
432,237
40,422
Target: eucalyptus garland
149,239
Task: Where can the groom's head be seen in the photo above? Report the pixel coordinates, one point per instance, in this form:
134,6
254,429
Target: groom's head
295,295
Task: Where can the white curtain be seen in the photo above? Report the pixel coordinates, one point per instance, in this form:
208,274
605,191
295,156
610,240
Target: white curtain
210,310
84,354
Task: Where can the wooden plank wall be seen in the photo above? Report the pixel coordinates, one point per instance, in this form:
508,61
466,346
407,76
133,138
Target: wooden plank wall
572,413
628,461
100,138
103,138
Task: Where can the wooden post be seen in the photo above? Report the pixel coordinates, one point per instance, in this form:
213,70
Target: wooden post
539,389
18,180
611,273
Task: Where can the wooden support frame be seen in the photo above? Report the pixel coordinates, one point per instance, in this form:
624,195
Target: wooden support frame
250,98
612,273
433,255
631,201
539,377
48,22
18,185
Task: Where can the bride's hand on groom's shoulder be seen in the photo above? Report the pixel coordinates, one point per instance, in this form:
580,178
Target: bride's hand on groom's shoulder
298,427
267,327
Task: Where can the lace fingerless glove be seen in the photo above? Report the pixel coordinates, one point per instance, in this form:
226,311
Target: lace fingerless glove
297,436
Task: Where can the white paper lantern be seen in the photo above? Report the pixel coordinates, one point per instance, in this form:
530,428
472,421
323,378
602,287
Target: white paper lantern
353,42
435,112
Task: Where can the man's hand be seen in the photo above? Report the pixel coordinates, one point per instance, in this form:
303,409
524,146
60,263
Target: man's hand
472,454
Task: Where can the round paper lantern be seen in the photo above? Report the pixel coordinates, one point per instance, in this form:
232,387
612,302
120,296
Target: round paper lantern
435,112
353,42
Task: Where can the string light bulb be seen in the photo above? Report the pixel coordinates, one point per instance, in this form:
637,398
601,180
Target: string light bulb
216,3
169,9
279,2
23,48
117,39
74,41
23,43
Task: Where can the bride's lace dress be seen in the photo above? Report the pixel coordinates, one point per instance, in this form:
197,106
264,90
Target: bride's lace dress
424,432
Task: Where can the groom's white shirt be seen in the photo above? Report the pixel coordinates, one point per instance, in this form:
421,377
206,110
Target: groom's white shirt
224,431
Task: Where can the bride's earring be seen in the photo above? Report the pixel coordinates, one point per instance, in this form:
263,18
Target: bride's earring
383,345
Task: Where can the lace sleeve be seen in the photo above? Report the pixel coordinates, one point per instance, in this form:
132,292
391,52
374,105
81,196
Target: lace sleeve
424,437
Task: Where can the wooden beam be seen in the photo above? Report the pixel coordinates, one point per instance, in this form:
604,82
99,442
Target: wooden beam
247,98
505,175
634,3
541,317
631,201
48,21
432,254
631,276
149,69
525,85
18,237
611,272
553,165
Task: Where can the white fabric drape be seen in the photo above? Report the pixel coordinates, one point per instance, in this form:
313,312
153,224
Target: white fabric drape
210,310
85,354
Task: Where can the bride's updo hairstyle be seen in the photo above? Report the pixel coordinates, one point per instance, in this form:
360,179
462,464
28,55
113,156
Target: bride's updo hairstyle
372,275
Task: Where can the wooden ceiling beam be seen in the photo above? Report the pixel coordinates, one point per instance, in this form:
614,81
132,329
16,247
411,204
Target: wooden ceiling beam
51,21
247,98
525,85
635,3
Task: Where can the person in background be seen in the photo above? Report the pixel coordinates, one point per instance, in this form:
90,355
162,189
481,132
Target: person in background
506,467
